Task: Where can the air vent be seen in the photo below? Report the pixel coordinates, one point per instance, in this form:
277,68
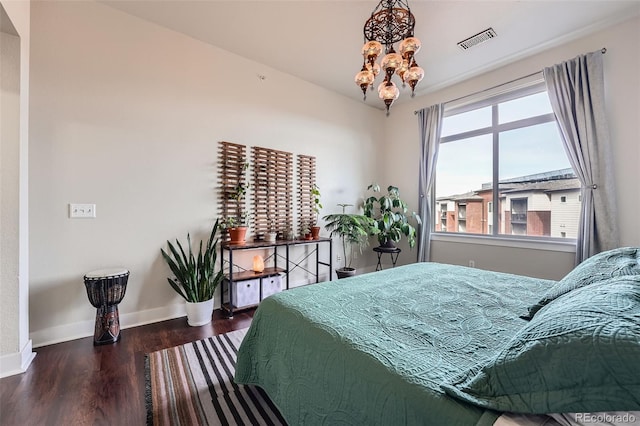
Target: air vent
481,37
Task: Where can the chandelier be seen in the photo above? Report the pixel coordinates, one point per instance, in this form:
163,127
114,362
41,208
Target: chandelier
390,22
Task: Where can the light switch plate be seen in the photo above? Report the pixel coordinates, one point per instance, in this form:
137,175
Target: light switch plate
82,211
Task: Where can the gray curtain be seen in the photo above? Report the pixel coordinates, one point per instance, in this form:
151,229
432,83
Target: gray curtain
430,122
576,91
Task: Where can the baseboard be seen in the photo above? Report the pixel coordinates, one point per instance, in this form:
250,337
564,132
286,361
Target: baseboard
78,330
17,363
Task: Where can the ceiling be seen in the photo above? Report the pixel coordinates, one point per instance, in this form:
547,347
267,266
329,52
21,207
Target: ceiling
320,41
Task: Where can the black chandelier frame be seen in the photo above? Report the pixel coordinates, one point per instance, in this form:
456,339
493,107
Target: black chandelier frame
390,22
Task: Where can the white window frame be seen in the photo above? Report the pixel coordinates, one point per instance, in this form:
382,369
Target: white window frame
493,97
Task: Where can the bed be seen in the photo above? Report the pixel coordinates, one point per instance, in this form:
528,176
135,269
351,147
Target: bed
431,343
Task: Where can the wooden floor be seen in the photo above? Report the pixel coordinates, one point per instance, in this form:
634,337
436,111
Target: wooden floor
76,383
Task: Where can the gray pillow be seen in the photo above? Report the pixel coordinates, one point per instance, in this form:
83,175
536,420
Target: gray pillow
580,353
602,266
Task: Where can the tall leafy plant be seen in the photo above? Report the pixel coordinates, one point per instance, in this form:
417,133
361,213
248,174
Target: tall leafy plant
195,277
391,214
316,204
353,230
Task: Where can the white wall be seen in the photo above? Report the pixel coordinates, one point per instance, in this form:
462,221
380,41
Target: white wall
9,185
622,74
15,346
127,115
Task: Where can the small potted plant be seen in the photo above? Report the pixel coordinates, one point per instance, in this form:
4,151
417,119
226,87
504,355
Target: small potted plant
195,277
272,235
290,235
316,205
237,228
390,213
353,230
305,231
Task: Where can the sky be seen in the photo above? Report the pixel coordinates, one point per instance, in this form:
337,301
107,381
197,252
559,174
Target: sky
464,165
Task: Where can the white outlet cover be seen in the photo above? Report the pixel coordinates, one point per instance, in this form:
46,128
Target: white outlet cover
86,211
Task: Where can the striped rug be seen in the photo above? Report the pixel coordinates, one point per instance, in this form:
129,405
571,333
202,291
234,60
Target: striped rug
193,384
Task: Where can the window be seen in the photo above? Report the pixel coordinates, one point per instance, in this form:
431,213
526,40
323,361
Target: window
462,217
502,168
518,215
443,217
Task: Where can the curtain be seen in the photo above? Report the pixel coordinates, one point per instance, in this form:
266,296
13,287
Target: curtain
576,91
430,123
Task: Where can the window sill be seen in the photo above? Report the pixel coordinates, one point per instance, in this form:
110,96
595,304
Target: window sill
559,245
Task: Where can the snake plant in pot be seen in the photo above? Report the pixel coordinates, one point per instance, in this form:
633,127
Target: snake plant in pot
195,277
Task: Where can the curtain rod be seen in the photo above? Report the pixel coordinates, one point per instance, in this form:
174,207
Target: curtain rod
603,50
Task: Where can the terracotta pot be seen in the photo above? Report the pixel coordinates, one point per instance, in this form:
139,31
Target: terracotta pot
315,232
238,235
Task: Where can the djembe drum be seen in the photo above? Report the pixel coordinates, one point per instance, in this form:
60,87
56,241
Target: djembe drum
105,289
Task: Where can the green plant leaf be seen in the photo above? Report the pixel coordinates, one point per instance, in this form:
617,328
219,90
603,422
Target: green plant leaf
195,276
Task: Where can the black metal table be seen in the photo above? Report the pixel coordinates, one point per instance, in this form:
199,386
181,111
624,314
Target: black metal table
394,252
289,264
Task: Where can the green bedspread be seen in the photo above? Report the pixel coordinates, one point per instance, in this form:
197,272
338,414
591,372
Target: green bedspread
374,349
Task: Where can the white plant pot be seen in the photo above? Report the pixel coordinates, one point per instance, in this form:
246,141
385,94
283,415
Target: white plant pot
270,236
199,313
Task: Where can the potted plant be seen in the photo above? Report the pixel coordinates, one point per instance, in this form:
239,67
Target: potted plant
237,228
272,235
353,230
290,235
390,213
315,206
305,231
195,277
237,225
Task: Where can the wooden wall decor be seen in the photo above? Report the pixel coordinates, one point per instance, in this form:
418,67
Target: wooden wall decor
306,181
232,179
272,196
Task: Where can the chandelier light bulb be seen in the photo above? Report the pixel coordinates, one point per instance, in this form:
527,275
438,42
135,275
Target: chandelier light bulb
413,76
389,93
375,69
364,79
391,62
409,47
371,50
402,70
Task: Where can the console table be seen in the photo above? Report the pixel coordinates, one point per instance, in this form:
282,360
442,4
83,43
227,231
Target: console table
228,249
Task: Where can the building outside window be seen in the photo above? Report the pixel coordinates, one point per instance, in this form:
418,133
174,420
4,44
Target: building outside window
503,170
518,217
443,217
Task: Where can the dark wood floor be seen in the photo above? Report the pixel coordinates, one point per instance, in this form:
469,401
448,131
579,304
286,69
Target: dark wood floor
76,383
